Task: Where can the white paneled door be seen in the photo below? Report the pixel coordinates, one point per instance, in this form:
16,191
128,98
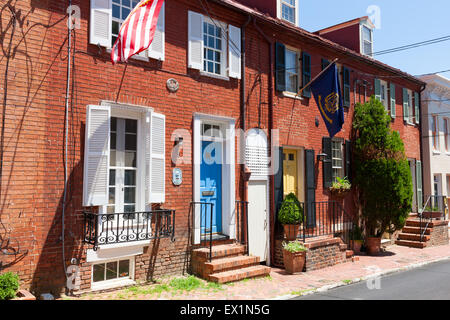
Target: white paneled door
257,219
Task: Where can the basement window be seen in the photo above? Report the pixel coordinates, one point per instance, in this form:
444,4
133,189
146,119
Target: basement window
112,272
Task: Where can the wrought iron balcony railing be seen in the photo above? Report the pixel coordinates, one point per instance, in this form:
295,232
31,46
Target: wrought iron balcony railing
111,228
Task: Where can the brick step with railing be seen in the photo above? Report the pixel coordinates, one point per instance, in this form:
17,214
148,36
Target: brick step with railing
227,263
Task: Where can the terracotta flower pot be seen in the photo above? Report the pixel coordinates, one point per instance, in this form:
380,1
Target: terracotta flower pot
294,262
355,245
291,231
373,246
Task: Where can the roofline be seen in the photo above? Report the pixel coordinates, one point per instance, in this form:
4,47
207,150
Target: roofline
345,24
317,38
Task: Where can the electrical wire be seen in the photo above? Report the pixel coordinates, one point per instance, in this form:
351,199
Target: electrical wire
412,46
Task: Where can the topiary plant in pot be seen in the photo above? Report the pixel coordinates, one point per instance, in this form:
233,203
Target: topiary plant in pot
382,174
290,216
356,239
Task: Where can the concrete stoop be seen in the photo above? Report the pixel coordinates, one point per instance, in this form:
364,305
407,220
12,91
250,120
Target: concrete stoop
229,263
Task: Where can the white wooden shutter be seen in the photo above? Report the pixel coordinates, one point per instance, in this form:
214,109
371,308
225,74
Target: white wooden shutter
101,23
195,47
96,156
156,49
234,52
157,150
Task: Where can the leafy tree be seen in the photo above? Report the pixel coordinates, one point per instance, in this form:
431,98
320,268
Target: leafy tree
382,174
9,284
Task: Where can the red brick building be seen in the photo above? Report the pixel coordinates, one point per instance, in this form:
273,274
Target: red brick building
140,136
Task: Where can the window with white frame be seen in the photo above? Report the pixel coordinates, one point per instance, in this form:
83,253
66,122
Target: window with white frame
292,71
437,184
337,159
289,10
213,57
112,271
384,94
214,48
410,107
447,134
106,18
435,132
366,40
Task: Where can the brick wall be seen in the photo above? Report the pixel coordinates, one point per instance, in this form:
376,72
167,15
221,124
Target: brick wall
321,253
33,74
439,234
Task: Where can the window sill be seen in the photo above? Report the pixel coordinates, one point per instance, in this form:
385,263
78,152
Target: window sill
288,94
436,152
135,57
110,284
215,76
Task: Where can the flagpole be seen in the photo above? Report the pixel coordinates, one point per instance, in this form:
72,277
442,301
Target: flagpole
315,78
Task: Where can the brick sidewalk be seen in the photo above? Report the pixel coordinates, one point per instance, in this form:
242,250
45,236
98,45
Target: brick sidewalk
281,285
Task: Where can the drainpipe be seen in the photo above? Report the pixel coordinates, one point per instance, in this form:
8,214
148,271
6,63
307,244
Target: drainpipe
421,141
272,180
243,110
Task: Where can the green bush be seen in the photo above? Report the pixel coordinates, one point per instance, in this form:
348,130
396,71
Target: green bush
9,284
382,174
291,212
294,246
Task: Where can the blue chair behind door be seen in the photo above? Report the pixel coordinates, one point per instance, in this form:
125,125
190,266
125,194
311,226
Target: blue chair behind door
211,187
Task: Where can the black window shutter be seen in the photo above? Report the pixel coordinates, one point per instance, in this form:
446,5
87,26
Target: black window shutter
325,63
280,66
348,160
279,184
327,163
310,188
346,87
306,71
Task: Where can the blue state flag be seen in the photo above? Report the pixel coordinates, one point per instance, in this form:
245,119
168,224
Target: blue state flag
326,90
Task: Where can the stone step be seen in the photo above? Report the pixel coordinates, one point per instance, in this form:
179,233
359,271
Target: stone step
240,274
415,230
417,223
220,251
413,244
229,263
343,246
413,237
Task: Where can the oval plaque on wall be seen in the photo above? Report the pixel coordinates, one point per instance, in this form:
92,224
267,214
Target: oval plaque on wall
173,85
177,176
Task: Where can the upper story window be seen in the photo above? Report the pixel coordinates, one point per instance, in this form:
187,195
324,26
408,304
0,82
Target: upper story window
435,132
106,18
292,71
214,47
289,10
366,40
447,134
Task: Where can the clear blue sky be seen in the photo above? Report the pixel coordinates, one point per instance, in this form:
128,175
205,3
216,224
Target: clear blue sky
403,22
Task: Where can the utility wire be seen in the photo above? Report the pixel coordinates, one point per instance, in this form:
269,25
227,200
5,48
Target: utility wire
412,46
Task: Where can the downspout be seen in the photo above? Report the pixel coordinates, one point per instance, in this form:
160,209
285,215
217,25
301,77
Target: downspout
271,179
424,86
243,112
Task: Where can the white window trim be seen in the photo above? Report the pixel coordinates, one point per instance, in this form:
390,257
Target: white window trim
386,97
113,283
224,63
435,135
342,168
361,37
280,12
447,135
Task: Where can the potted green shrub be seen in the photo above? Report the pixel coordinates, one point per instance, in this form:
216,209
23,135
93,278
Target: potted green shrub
382,174
9,284
294,256
356,239
290,216
341,187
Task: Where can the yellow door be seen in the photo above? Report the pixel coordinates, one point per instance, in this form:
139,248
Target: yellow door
290,172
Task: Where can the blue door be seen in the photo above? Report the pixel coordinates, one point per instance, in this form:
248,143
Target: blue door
211,187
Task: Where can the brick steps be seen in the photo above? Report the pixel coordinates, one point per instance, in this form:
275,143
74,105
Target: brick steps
413,237
413,244
415,230
241,274
228,264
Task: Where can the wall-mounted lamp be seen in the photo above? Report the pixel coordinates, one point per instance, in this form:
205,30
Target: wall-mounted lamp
321,156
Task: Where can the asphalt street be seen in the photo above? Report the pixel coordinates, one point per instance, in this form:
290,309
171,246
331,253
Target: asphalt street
430,282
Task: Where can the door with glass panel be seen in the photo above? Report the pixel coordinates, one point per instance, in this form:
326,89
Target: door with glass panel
123,167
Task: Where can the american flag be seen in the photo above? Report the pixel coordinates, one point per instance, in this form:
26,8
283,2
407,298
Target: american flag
137,31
